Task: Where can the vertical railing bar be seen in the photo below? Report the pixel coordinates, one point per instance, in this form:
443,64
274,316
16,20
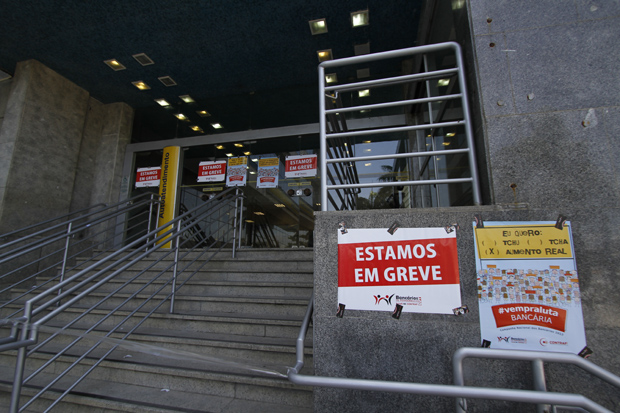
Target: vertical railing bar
148,226
240,218
175,268
322,138
64,258
540,383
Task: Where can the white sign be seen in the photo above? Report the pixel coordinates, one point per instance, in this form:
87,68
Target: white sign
211,171
147,177
268,172
237,171
300,166
528,287
416,268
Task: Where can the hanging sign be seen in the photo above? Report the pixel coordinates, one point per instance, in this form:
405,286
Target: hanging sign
146,177
237,171
211,171
300,165
416,268
268,172
528,287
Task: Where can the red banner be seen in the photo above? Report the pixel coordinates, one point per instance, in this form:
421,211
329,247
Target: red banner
533,314
413,262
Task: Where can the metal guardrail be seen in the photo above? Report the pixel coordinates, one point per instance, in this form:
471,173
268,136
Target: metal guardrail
459,391
333,116
90,306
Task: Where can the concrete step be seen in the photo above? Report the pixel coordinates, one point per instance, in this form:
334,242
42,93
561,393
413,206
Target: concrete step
173,374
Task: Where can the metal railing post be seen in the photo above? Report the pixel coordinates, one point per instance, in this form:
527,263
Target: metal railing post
540,383
240,218
64,258
148,226
236,219
175,268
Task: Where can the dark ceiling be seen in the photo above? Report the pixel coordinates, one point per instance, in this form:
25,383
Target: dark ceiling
250,64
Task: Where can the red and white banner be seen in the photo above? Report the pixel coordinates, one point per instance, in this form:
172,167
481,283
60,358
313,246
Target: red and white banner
416,268
209,171
146,177
300,166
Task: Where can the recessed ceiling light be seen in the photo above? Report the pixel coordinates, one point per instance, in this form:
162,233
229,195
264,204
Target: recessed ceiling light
229,155
324,55
363,93
216,126
219,146
259,213
181,116
167,80
366,141
367,150
331,78
362,73
450,134
247,153
162,102
252,173
239,145
443,82
196,128
280,205
203,113
359,18
361,49
368,164
143,59
187,99
114,64
318,26
445,143
254,159
249,221
140,85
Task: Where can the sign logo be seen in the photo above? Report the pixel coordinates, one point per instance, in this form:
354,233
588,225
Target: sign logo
505,339
543,342
387,299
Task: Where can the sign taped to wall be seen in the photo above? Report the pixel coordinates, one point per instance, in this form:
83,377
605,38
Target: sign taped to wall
416,268
147,177
300,165
211,171
528,287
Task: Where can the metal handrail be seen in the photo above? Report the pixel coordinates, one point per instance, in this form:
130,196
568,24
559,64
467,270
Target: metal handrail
328,94
457,390
221,216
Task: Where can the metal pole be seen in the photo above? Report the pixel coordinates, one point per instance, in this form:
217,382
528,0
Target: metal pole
234,246
64,258
148,228
323,139
176,265
540,383
240,218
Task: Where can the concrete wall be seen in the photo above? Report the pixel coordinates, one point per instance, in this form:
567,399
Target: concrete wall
548,101
59,149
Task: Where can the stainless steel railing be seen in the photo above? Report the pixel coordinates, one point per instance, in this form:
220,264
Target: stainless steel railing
113,296
458,390
430,119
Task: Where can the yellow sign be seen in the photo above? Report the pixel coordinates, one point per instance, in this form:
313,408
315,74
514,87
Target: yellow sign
241,160
523,241
168,188
268,162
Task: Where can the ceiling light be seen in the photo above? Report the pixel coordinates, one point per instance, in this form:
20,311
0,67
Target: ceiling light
450,134
280,205
443,82
368,164
247,153
219,146
239,145
216,126
324,55
140,85
114,64
187,99
445,143
167,80
366,141
359,18
367,150
259,213
143,59
196,128
361,49
181,116
249,221
252,173
254,159
331,78
162,102
364,93
203,113
318,26
229,154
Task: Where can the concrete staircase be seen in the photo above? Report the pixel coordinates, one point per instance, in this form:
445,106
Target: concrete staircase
223,350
